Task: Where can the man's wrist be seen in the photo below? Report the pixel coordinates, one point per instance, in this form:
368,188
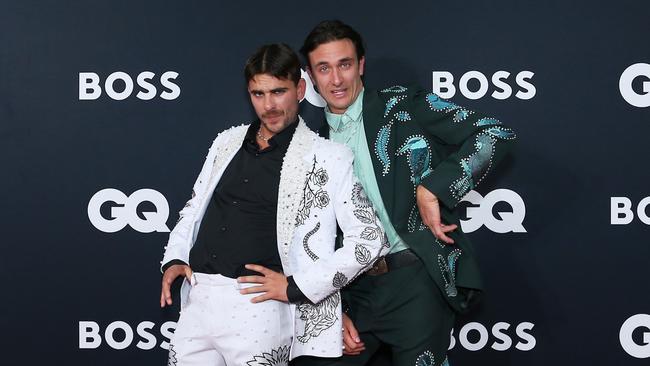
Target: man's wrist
171,263
294,294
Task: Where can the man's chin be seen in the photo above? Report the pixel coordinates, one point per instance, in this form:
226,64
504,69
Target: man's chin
272,122
339,105
275,126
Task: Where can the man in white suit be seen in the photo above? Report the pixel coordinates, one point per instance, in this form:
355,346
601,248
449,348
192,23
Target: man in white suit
264,210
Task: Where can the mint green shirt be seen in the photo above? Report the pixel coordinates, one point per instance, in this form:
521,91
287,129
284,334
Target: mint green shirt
347,128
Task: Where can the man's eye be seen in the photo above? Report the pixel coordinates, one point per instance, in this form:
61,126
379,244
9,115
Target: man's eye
323,69
346,65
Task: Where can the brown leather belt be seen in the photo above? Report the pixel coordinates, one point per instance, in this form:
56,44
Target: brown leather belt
393,261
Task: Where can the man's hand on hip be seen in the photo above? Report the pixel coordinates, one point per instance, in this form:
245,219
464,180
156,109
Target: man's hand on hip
430,212
272,284
168,278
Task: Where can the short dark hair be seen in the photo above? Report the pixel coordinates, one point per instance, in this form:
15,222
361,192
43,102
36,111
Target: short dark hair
328,31
277,60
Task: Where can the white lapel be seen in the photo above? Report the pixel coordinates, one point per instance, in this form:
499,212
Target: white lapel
225,152
221,155
292,180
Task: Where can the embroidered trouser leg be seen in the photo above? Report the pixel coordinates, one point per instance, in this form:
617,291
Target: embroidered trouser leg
402,309
219,326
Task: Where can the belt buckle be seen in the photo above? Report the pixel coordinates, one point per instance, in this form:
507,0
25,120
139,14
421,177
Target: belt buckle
380,267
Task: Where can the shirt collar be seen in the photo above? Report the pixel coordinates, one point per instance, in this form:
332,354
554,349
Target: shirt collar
281,139
352,114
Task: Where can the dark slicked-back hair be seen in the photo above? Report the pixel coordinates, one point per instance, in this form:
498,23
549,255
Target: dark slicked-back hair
328,31
277,60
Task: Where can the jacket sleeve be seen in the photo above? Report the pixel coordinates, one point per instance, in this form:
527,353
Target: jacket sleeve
180,239
363,238
477,143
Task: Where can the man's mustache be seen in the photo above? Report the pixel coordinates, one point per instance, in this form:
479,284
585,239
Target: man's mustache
272,113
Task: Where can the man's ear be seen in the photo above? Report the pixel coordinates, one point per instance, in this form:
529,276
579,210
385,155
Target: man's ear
362,64
302,86
311,77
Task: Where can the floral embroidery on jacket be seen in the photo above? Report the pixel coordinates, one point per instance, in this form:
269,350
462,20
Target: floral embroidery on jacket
314,196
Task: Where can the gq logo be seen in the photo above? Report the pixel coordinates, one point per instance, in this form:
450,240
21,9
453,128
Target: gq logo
480,212
123,211
634,323
633,72
443,85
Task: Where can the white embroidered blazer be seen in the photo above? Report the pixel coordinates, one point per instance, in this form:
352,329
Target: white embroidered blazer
317,190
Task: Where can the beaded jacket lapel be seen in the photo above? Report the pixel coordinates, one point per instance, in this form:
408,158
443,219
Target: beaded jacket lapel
225,153
292,179
381,142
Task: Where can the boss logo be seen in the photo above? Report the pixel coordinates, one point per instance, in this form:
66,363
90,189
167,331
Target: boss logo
123,211
621,211
119,86
120,335
480,212
443,85
627,81
636,326
475,336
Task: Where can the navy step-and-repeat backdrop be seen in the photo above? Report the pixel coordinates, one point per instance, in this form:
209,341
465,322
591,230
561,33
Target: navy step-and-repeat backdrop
107,109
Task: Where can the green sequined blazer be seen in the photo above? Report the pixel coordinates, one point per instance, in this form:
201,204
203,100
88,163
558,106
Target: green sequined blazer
416,137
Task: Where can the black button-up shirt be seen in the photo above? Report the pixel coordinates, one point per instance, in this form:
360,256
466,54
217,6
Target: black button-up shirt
239,226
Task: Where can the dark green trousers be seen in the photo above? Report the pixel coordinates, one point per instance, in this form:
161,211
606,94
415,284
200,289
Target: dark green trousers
402,309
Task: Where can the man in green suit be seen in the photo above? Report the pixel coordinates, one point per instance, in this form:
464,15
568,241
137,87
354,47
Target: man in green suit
416,155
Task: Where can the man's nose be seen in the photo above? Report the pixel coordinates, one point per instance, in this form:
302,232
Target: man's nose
269,103
336,77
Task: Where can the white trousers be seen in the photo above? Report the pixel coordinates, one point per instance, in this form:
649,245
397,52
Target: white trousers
219,326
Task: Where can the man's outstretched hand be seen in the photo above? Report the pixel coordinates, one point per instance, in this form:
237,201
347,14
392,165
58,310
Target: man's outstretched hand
429,208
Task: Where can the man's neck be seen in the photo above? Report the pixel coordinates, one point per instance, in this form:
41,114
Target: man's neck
263,136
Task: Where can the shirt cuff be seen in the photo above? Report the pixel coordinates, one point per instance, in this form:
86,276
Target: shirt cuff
294,295
171,263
